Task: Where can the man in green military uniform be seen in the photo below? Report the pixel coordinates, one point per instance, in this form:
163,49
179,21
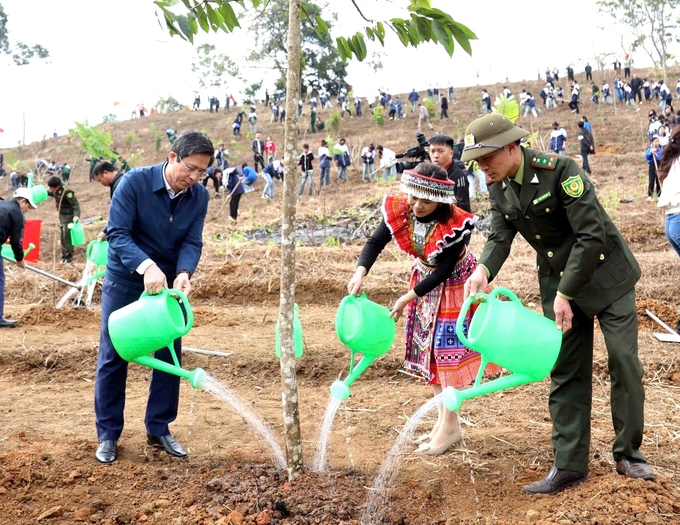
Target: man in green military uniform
585,270
65,173
69,211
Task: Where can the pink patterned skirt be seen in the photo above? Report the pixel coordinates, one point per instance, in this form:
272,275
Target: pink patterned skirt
433,351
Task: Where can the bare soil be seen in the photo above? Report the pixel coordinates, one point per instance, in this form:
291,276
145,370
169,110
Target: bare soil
47,364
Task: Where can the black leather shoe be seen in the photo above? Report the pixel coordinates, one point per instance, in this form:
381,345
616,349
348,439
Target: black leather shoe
106,451
557,479
7,323
634,468
166,443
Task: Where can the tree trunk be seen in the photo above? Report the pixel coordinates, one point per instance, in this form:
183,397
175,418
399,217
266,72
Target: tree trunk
291,415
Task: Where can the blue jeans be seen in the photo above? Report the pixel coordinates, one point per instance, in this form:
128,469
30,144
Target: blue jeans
342,173
389,171
672,232
111,375
268,192
307,175
325,177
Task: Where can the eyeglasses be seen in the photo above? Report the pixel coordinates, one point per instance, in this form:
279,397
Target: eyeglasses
189,170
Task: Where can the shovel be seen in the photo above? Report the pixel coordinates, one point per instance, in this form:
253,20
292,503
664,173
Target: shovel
671,337
45,274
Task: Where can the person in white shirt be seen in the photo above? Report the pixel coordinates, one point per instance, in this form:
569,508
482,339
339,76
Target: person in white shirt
669,200
423,115
388,158
558,139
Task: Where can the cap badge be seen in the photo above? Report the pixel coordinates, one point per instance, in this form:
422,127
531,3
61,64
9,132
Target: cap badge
469,139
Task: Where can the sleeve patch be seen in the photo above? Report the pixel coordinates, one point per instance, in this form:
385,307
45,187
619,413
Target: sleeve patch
546,162
573,186
69,195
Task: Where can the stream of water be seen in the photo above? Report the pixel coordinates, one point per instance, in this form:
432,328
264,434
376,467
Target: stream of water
226,394
323,435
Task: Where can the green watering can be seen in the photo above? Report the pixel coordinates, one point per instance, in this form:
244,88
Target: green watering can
509,335
152,323
39,193
366,328
77,233
297,336
98,252
7,253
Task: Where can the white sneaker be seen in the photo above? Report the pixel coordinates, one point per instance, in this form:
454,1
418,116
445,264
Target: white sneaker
649,199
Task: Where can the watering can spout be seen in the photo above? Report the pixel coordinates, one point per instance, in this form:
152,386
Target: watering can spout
340,389
195,377
453,398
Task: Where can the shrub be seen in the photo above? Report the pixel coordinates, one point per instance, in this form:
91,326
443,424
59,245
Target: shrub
158,138
431,107
378,116
333,121
130,139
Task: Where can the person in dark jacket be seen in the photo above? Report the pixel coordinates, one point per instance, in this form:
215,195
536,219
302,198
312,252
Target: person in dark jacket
214,174
106,175
234,186
586,144
442,154
444,109
155,235
12,227
68,209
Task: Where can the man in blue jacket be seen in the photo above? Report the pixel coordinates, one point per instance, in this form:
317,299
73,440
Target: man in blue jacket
155,238
413,98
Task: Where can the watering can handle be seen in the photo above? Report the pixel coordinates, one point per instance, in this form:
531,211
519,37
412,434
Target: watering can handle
504,291
88,251
184,299
463,314
187,307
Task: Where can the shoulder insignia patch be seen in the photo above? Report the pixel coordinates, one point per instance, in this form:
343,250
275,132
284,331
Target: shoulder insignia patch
69,195
573,186
546,162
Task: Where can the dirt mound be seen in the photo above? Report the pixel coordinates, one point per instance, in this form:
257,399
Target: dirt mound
65,318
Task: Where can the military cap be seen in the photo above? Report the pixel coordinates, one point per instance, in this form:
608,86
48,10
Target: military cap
489,133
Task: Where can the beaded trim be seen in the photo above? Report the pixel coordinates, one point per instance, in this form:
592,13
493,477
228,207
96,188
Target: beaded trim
423,187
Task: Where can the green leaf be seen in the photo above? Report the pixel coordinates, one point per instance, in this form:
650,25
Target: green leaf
343,48
443,36
401,32
214,17
359,46
370,33
380,31
229,16
185,27
322,26
462,39
506,106
424,27
203,22
413,33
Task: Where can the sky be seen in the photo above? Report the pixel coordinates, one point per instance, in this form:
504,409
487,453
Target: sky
104,52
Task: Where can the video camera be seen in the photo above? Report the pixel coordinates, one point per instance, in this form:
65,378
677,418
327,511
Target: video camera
419,152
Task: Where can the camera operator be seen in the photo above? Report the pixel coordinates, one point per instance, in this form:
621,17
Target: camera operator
442,154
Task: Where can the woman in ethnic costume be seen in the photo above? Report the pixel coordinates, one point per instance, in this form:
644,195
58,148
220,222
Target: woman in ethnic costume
425,224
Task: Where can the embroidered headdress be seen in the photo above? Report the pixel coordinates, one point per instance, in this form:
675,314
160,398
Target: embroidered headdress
424,187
